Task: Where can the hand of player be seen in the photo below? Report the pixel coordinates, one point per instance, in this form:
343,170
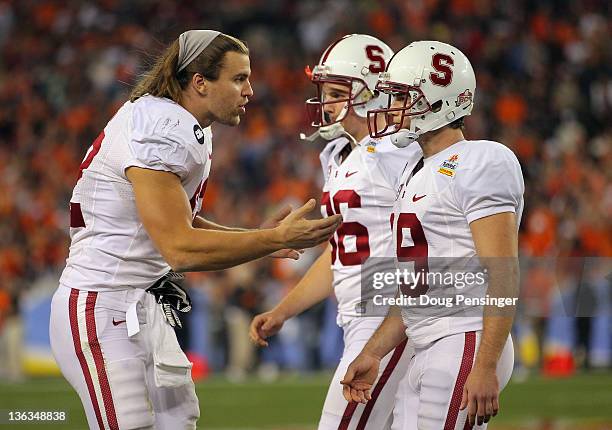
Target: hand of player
265,325
360,377
273,222
296,232
481,395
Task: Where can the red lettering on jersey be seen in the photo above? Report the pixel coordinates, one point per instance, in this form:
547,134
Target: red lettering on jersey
76,215
326,202
441,63
350,228
417,253
199,194
91,153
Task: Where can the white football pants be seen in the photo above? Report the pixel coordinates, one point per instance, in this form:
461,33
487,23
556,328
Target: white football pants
377,414
429,396
111,372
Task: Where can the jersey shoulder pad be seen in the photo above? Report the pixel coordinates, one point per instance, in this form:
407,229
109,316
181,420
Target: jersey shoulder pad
488,178
164,117
479,153
165,136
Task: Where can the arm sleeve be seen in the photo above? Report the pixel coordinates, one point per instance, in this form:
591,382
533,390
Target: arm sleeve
493,184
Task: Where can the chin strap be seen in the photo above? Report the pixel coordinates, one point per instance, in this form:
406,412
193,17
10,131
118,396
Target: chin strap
332,131
329,133
402,138
310,138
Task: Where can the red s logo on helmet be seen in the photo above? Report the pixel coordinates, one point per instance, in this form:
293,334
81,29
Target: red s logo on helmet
375,55
441,63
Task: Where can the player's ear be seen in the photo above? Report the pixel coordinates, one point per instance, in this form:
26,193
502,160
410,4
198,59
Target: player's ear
200,84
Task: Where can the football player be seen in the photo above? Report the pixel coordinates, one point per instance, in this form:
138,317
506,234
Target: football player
361,182
133,218
464,204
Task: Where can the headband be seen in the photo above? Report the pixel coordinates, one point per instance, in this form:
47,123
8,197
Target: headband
191,44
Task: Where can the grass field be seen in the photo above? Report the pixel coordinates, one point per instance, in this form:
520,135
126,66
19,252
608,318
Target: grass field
581,402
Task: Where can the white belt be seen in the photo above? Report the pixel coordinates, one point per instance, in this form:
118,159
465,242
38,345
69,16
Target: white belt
131,315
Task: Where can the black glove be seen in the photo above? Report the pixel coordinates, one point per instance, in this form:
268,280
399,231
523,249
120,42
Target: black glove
171,297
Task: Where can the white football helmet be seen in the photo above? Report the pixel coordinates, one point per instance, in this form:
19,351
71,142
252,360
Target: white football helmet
436,83
355,61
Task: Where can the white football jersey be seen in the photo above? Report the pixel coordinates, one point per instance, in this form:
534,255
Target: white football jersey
363,189
109,247
466,181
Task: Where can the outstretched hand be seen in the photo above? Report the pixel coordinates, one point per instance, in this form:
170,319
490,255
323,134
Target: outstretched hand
274,221
297,232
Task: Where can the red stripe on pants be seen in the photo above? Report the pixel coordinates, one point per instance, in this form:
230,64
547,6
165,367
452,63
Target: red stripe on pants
348,415
395,358
74,327
469,349
94,344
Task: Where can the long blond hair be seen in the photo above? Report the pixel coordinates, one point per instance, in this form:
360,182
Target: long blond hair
162,80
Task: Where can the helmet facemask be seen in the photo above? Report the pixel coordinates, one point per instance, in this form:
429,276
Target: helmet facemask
351,65
414,104
358,96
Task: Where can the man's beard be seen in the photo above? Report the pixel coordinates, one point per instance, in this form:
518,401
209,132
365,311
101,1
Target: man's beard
230,120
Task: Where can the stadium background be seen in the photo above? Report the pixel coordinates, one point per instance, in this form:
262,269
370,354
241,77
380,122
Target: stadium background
544,89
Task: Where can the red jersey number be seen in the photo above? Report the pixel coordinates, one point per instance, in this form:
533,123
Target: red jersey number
76,215
91,153
417,252
350,228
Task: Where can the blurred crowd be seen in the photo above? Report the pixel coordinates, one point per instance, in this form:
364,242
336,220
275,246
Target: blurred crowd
544,88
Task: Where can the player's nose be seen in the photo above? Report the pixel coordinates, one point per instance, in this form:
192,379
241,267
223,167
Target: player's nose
397,104
329,110
248,89
396,117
